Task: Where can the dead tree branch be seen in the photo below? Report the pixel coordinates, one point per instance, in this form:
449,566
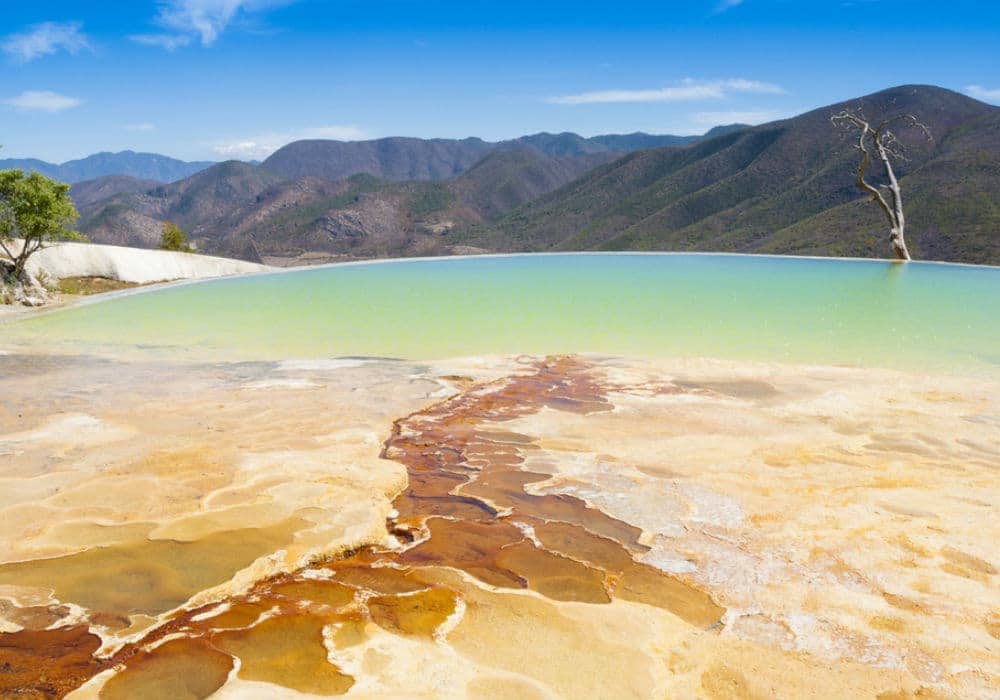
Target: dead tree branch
881,142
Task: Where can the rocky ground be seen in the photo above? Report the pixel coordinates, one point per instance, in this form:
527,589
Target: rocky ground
496,527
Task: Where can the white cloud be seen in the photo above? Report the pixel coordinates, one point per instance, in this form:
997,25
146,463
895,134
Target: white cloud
143,126
42,101
759,116
687,90
982,93
44,39
186,20
166,41
263,145
726,5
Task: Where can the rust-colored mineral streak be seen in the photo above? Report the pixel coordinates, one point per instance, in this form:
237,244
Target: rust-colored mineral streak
465,508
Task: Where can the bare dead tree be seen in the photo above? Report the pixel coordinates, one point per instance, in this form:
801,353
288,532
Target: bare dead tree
881,141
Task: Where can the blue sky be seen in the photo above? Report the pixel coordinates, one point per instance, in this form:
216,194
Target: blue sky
213,79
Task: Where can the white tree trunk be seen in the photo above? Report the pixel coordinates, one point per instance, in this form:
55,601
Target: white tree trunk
897,220
886,147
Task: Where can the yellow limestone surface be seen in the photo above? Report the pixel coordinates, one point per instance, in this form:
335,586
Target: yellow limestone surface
844,519
131,489
849,515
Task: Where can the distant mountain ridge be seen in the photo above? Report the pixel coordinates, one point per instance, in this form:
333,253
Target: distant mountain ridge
144,166
425,186
392,158
403,158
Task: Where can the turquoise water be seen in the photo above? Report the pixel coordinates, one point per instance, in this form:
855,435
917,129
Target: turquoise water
869,313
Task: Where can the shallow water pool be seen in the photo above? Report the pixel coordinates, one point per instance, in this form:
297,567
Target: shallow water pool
801,310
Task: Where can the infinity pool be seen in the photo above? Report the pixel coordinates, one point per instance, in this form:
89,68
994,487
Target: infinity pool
501,515
868,313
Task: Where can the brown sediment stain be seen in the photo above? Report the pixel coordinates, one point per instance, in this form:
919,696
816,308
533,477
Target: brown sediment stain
33,617
419,614
150,576
626,578
179,668
459,381
349,631
964,572
992,624
903,603
47,663
367,572
889,624
287,650
465,508
909,545
319,592
506,489
966,565
237,615
553,575
646,584
968,561
473,547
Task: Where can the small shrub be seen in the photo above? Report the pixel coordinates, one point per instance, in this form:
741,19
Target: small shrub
174,238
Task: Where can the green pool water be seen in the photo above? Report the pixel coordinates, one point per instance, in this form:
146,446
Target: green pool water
869,313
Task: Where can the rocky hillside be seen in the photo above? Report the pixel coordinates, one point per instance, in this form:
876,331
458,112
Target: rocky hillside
783,187
242,210
199,204
508,178
88,192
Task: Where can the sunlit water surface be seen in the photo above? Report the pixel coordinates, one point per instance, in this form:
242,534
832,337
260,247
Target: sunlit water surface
918,316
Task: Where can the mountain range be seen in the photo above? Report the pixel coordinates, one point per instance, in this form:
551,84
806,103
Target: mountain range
400,158
147,166
392,196
782,187
395,158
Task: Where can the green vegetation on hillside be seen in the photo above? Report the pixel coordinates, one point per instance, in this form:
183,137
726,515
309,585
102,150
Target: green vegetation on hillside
429,198
783,187
786,187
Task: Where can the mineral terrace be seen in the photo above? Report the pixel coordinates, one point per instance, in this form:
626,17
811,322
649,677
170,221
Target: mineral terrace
529,527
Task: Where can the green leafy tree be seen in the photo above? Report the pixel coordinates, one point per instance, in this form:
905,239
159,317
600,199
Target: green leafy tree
174,238
36,210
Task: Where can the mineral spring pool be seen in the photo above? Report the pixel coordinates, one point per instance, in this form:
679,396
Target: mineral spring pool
590,475
798,310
